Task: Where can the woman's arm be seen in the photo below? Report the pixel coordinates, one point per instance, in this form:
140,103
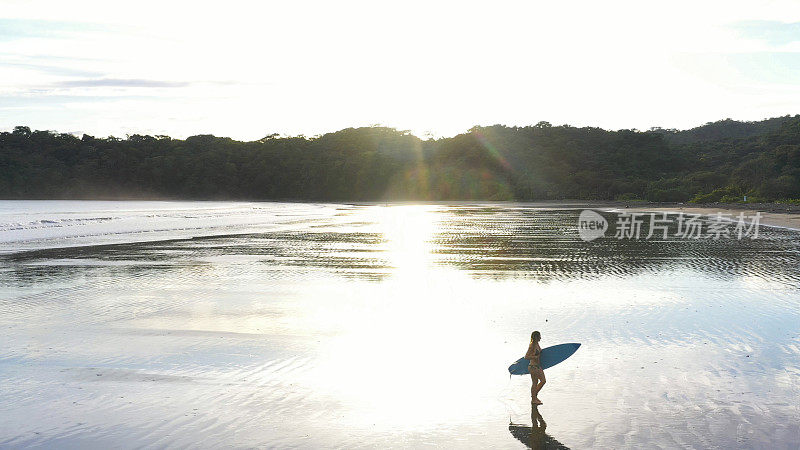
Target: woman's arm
530,353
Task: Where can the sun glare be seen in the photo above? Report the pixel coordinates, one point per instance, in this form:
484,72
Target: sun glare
408,231
388,358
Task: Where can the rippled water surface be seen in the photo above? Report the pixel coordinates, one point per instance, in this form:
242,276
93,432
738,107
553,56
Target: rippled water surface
129,324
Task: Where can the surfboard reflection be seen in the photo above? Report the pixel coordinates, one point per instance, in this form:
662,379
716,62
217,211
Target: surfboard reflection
534,436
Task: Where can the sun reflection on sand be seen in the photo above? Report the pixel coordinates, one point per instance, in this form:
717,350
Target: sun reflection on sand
408,231
398,357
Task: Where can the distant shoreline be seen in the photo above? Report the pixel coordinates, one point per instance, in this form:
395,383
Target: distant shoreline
637,205
772,214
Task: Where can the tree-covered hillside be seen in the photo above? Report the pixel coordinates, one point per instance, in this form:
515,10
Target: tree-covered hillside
722,129
719,161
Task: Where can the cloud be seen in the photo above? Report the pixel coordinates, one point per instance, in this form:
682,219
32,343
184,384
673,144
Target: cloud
51,69
121,82
13,29
771,31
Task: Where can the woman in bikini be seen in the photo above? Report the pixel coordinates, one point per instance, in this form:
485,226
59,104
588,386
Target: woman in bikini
534,368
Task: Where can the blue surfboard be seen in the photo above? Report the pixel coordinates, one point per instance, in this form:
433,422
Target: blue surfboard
550,357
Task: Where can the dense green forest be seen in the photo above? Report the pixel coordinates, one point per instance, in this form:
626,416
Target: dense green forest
720,161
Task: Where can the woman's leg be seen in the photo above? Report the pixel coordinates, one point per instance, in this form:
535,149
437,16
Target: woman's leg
534,380
538,386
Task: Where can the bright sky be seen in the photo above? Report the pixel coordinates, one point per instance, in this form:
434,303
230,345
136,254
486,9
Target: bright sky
248,69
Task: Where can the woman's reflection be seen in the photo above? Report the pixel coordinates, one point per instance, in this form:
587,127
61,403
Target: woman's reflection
534,436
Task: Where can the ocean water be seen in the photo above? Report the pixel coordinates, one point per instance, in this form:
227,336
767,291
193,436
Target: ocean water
297,325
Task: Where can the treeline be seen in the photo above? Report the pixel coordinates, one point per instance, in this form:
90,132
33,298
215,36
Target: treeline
721,161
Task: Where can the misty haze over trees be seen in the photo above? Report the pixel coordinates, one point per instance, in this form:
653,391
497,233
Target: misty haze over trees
720,161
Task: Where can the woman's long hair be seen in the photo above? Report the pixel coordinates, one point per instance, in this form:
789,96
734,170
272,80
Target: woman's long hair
535,336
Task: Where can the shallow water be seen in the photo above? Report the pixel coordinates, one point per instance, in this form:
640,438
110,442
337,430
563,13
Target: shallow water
323,325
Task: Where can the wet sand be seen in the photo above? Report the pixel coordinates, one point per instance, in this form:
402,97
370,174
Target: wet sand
365,326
